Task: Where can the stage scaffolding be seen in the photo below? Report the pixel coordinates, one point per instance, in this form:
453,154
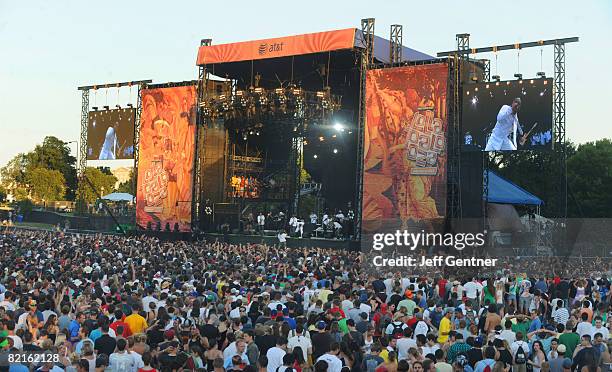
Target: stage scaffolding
559,103
85,107
366,61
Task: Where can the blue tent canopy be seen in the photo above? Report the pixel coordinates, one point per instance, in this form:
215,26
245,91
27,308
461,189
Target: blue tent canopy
503,191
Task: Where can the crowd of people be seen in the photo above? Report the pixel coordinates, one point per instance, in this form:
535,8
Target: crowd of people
115,303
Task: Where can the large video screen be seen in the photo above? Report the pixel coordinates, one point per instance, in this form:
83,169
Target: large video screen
404,184
507,115
166,157
110,134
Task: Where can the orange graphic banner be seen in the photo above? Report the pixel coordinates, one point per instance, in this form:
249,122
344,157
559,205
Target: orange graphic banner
165,166
405,148
277,47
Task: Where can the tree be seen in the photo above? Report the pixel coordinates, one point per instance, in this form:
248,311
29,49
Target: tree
46,184
2,194
102,183
128,186
54,154
589,173
535,171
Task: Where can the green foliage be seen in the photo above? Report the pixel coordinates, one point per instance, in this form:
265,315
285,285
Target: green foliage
128,186
53,155
102,183
589,174
2,194
46,184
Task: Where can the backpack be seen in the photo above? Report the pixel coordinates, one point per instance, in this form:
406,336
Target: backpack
521,356
397,329
487,368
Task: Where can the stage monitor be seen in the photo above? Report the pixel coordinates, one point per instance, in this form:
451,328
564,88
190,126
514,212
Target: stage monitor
404,181
110,134
494,114
166,157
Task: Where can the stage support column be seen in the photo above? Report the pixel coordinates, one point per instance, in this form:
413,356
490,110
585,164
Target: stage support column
367,33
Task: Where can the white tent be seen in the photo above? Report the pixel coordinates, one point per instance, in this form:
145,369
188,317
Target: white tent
119,196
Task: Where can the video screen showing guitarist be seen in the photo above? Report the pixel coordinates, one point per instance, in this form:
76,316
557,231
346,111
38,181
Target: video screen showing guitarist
504,135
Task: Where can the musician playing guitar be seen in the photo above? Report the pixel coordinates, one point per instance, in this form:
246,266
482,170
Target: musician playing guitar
507,124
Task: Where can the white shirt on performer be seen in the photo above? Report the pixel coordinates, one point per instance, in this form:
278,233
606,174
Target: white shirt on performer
261,220
507,123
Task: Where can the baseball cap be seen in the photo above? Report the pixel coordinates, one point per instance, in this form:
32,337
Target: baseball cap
321,325
561,348
169,334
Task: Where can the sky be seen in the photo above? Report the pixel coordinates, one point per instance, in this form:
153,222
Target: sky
49,48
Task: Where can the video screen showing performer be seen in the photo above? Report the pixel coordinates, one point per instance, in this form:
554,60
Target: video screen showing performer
110,134
507,116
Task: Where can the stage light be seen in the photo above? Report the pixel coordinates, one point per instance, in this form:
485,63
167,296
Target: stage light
474,101
106,107
507,83
305,142
531,81
257,133
467,93
338,127
258,90
315,156
95,108
518,76
350,132
239,93
541,74
545,82
476,89
335,151
321,138
497,83
520,81
251,132
321,94
487,86
333,136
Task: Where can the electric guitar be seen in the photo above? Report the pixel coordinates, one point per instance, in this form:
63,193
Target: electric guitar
524,137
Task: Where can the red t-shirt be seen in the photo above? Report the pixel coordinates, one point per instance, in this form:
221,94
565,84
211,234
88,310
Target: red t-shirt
126,328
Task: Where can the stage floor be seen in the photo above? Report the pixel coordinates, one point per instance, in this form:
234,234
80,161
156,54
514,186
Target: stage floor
291,242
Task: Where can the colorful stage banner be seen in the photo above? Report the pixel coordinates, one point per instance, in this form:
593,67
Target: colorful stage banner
277,47
404,185
166,156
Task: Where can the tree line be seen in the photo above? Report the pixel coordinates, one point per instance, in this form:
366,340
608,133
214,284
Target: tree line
48,173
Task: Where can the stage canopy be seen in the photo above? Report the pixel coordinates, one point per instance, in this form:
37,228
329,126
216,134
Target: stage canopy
502,191
318,42
119,196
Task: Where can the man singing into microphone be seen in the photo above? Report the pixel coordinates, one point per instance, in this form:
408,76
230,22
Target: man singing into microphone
507,124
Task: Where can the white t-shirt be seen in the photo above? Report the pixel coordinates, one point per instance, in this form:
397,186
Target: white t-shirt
300,341
421,328
334,364
472,289
430,349
275,358
584,328
282,238
603,330
403,345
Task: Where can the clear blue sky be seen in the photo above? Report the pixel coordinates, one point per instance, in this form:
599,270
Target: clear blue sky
48,48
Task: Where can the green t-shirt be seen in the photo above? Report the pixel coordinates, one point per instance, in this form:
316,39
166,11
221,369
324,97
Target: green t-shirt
570,340
522,327
343,327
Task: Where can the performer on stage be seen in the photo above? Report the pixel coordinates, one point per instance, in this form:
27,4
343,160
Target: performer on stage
109,148
507,124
